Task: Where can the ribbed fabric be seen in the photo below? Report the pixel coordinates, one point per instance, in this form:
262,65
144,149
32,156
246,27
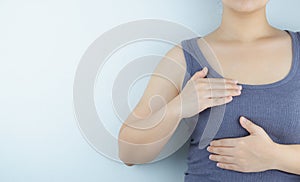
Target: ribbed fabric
275,107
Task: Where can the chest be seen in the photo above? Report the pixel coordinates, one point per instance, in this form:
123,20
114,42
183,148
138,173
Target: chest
259,63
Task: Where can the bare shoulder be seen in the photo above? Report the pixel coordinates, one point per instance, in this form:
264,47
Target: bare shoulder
176,54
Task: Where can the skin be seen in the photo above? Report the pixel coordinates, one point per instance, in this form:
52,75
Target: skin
243,33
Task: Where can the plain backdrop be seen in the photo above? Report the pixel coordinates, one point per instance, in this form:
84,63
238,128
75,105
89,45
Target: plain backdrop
41,43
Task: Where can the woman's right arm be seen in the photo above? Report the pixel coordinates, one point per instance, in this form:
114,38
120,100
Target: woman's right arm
155,118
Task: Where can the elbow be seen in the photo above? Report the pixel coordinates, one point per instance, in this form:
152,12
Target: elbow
126,160
131,153
134,159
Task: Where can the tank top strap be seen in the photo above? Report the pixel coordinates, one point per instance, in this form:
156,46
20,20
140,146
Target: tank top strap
191,59
297,46
298,35
296,53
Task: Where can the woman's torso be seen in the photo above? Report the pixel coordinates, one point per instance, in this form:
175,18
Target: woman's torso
274,106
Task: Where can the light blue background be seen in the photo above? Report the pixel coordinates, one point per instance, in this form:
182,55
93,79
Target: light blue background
41,43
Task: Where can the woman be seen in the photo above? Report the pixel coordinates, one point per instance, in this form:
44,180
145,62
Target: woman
259,138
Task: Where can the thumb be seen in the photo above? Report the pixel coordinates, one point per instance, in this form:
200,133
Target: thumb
200,74
250,126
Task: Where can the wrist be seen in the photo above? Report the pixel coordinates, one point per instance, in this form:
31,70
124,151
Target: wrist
277,152
174,107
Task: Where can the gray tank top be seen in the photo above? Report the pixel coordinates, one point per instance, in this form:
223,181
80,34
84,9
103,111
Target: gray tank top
275,107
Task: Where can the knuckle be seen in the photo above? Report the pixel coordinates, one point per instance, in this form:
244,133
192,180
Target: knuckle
232,167
235,91
220,142
260,129
227,93
226,166
217,150
213,149
214,157
230,86
229,99
235,86
222,158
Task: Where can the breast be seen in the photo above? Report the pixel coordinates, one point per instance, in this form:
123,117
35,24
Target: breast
277,110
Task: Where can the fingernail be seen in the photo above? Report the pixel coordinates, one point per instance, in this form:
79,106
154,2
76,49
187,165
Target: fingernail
240,87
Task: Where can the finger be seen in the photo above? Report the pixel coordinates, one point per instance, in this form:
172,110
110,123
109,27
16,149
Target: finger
218,101
218,80
229,151
227,142
222,158
200,74
220,93
250,126
219,86
228,166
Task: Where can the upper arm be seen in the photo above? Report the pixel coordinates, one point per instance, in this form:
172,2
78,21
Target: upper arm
164,84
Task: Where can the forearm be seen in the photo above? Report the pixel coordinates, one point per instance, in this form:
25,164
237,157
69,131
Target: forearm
287,158
141,140
157,126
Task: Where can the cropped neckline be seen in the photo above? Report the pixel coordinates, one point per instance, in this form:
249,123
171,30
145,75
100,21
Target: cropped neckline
288,77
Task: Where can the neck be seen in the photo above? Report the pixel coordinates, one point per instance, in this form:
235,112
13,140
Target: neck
244,27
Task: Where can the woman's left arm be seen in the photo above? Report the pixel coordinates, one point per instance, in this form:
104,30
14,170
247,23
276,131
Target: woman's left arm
255,152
